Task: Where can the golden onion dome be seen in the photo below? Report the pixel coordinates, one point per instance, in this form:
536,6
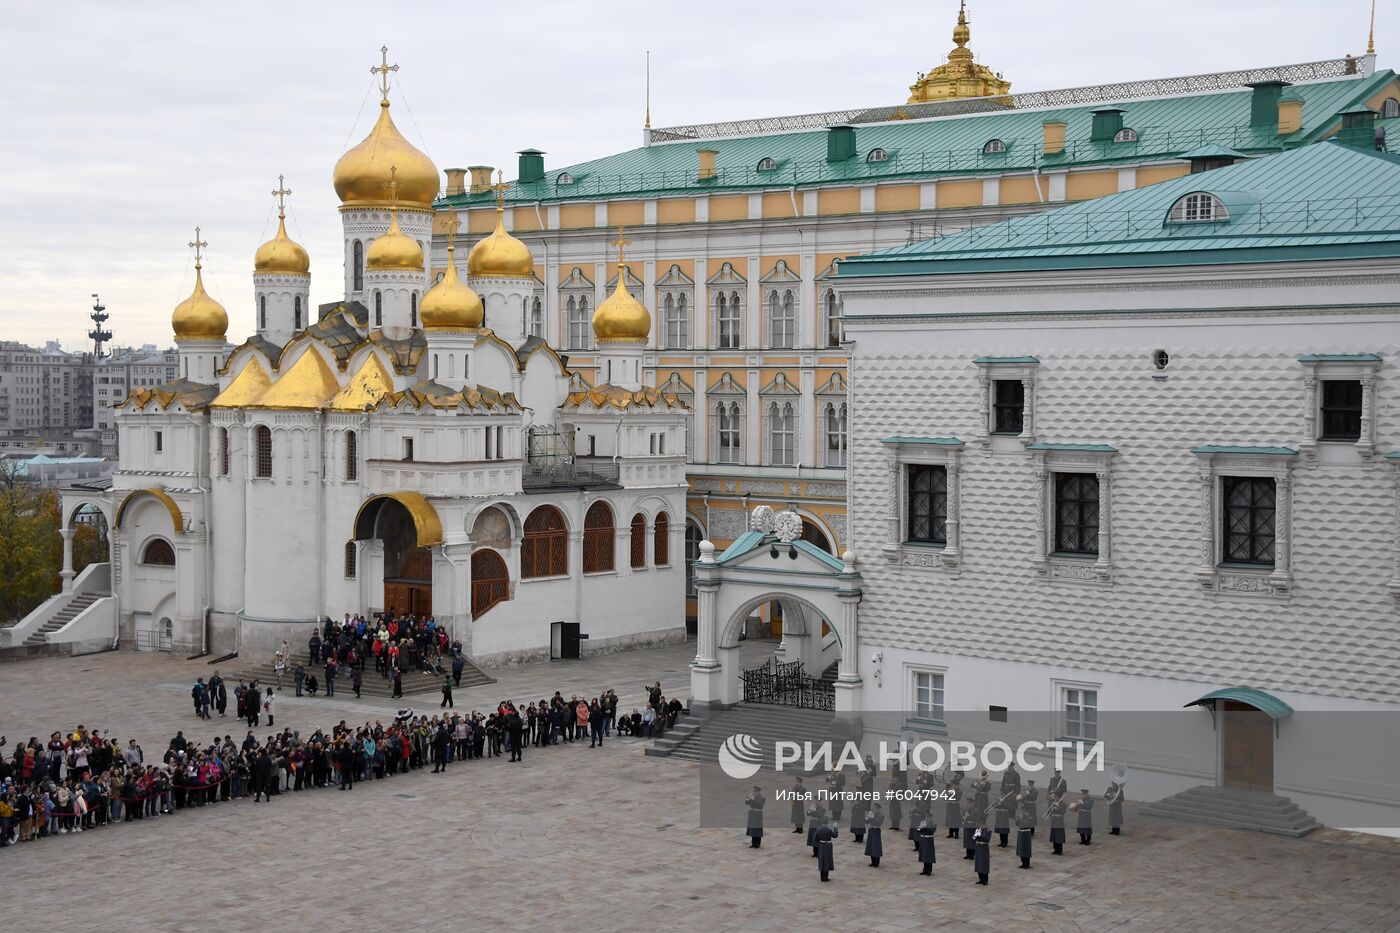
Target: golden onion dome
394,250
362,175
282,253
621,318
451,304
199,317
500,255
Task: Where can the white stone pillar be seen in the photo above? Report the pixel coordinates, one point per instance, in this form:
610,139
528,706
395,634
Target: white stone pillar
1104,564
67,573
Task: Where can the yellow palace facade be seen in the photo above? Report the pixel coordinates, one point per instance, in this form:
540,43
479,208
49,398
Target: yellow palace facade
735,230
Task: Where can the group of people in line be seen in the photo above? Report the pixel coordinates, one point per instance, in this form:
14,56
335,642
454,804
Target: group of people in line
1014,809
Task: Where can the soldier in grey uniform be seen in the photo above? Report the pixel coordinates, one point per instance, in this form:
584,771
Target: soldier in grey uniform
826,855
1115,808
1085,803
799,804
1001,816
816,815
861,807
952,813
1056,814
982,864
982,788
923,844
874,820
1032,799
858,820
1059,787
755,802
972,821
896,805
1011,780
835,784
1024,831
918,814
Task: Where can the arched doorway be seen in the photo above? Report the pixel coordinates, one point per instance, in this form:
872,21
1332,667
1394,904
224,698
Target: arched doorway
409,590
490,581
1248,721
406,526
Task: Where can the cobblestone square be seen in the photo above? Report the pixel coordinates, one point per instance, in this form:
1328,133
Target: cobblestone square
580,839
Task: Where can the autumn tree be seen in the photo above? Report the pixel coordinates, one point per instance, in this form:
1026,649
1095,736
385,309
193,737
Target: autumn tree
31,550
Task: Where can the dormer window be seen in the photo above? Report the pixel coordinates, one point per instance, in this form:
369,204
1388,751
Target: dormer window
1390,109
564,178
1198,207
993,147
1125,135
878,155
767,164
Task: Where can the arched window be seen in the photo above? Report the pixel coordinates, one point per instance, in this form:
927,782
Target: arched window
993,147
1198,207
729,433
262,445
544,546
358,263
675,319
831,312
599,539
639,541
262,312
877,155
1125,135
1390,109
661,540
490,580
693,537
729,315
350,560
537,318
296,313
815,536
352,456
378,309
580,321
782,436
563,178
836,434
767,164
223,451
413,309
158,553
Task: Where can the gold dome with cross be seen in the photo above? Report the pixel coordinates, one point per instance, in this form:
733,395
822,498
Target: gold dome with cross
282,253
500,255
621,318
199,317
361,173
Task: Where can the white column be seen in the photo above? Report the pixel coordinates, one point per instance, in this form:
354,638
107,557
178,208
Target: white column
67,573
1042,492
1282,577
1105,562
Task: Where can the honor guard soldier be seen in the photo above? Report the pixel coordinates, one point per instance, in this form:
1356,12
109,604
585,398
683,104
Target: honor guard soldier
1011,780
923,844
860,810
972,822
896,805
1059,787
826,856
1001,816
755,802
799,800
874,820
981,789
1024,832
835,784
982,864
1085,805
1055,813
1031,799
858,820
952,813
816,817
1114,796
918,815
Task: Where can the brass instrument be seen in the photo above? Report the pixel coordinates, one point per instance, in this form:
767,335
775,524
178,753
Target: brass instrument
1001,801
1074,806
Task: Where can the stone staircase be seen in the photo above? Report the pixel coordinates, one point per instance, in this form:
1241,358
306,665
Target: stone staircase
68,613
415,683
1234,808
699,739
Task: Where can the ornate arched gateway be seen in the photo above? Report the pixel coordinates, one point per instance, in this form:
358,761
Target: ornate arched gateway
773,564
407,525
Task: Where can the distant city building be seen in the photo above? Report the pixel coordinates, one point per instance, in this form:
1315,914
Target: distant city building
116,375
45,395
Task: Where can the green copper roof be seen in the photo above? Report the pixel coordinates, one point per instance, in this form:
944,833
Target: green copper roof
1234,449
1213,151
1264,702
944,146
1321,200
740,546
1339,358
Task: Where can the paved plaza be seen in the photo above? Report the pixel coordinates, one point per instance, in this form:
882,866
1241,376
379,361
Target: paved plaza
579,839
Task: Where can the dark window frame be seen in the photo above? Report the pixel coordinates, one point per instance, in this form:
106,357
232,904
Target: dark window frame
1077,514
1008,413
1340,419
1249,521
926,504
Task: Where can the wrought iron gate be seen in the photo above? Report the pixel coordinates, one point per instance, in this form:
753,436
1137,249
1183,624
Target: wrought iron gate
786,684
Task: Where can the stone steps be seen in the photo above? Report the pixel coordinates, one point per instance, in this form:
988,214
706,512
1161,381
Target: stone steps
1234,808
415,683
700,739
61,618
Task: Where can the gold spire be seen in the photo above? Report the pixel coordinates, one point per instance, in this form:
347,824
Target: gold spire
395,249
621,318
199,317
451,305
282,253
500,255
1371,39
960,76
647,125
360,174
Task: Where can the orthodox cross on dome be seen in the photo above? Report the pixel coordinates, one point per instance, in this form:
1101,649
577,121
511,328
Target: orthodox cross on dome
280,194
392,184
500,188
621,243
384,69
452,226
197,244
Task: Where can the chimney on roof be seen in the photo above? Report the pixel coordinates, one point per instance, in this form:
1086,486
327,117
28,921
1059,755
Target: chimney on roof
1358,129
1107,123
840,143
1054,140
456,180
1263,104
481,178
1290,115
531,166
707,164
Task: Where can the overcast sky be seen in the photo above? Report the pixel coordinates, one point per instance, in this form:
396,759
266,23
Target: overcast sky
126,124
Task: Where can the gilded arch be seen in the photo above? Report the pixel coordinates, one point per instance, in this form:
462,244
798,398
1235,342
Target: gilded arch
161,496
426,523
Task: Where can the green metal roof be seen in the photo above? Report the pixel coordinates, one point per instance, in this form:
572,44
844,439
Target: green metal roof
1235,449
943,146
935,441
1264,702
753,540
1339,358
740,546
1393,455
1322,200
1213,151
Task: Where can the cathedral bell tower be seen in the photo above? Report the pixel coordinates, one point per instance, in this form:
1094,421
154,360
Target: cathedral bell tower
621,325
502,271
282,280
452,314
201,326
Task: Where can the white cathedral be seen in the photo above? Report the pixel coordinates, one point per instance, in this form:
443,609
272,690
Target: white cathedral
407,449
